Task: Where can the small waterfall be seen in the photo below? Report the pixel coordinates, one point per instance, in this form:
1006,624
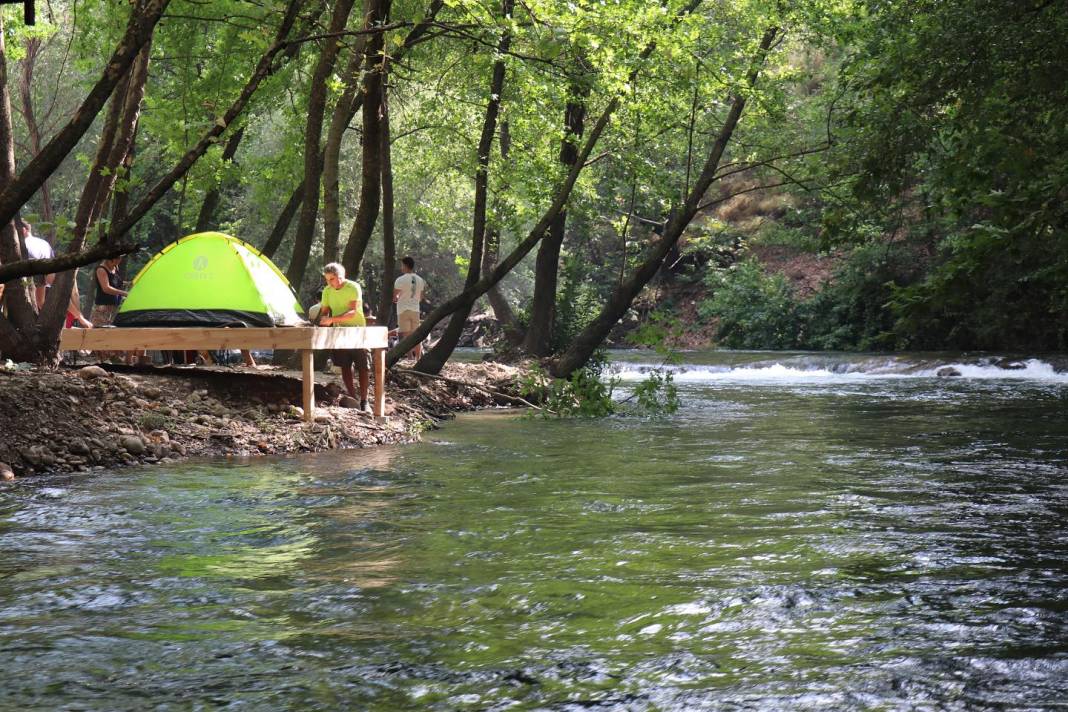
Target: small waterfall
756,367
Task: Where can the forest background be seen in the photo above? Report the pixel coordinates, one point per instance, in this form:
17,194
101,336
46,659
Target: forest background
826,174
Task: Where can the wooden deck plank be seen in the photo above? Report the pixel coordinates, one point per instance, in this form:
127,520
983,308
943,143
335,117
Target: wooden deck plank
198,338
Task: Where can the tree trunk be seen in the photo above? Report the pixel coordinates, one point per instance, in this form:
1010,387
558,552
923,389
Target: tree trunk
281,225
468,296
33,131
502,310
21,309
586,343
335,135
55,308
88,209
433,360
285,219
143,19
211,201
124,137
389,242
375,12
313,133
120,206
538,340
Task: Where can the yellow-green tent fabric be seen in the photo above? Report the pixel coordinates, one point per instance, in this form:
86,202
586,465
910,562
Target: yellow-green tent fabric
210,279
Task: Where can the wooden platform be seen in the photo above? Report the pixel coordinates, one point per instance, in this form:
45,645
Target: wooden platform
299,338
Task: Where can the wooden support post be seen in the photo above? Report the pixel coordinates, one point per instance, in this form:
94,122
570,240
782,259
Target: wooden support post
378,356
308,366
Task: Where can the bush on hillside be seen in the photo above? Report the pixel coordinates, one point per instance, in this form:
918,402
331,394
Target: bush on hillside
754,310
757,310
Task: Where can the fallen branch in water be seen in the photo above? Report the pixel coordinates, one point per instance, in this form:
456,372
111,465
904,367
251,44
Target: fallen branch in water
468,384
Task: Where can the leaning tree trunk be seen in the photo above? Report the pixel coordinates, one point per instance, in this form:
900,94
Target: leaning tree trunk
370,140
211,200
44,346
116,154
586,343
467,297
433,360
313,132
108,246
538,340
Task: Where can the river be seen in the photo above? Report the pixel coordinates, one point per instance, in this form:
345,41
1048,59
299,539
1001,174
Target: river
808,532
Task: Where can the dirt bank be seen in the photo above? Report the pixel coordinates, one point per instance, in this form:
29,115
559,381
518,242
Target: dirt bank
92,418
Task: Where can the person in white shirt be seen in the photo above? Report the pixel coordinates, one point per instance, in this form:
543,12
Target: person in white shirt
407,293
36,249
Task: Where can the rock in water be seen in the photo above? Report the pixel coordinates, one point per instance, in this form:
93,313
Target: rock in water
947,372
6,473
1010,365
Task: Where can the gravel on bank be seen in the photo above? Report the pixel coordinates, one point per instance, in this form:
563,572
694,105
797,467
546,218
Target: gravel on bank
96,418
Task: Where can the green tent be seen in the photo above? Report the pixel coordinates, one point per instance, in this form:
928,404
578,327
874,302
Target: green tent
210,279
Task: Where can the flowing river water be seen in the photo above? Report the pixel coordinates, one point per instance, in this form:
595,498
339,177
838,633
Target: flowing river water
807,532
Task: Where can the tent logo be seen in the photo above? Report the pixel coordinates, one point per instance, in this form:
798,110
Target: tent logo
200,264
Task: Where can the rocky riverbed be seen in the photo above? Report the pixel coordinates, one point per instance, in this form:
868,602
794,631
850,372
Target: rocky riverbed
105,417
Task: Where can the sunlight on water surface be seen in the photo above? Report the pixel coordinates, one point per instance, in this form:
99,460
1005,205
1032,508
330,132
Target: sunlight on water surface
827,542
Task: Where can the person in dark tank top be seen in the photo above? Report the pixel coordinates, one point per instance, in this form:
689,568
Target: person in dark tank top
106,296
108,292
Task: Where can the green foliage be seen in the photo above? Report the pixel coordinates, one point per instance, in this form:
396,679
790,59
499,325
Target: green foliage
584,394
754,310
152,421
588,393
577,301
955,136
657,394
851,312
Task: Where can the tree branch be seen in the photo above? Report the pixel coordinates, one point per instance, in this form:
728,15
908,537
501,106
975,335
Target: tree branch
27,268
141,24
211,136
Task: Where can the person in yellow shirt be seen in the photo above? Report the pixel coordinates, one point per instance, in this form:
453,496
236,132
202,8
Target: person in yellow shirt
342,305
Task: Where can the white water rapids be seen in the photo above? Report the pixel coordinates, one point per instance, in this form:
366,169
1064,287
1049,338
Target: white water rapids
808,369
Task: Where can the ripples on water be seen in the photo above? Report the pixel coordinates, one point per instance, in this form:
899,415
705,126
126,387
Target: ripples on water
851,544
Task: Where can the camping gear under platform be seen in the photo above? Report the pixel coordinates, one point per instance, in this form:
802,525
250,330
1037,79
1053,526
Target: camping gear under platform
300,338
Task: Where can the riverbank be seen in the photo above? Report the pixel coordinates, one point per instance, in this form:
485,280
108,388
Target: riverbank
97,418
